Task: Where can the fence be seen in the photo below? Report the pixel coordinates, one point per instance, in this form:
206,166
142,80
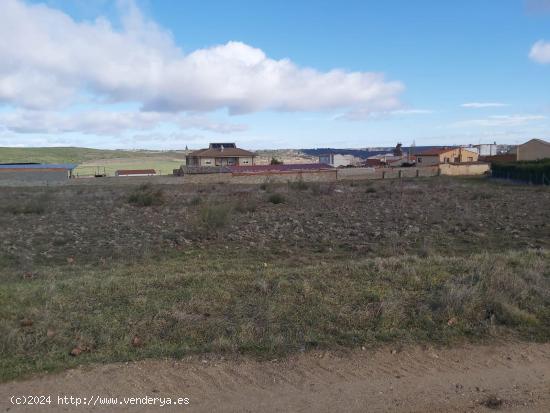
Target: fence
332,175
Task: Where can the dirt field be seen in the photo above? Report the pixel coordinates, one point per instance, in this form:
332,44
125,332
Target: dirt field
510,377
305,273
439,215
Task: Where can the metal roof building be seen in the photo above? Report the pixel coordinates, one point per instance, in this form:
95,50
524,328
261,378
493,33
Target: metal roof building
35,173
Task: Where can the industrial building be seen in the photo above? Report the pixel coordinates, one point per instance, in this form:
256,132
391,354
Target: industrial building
35,173
337,159
486,149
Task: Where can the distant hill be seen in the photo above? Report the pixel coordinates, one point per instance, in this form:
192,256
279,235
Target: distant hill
362,153
77,155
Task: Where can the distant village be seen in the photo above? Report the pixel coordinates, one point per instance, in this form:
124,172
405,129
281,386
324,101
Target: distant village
225,160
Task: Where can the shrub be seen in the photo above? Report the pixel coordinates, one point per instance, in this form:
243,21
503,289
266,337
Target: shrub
276,198
298,185
371,190
145,195
267,185
246,204
321,189
215,216
196,200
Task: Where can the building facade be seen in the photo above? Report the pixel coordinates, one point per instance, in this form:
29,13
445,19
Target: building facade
220,154
487,149
446,155
533,150
336,159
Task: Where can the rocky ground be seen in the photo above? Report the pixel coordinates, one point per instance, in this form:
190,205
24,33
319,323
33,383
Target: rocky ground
367,219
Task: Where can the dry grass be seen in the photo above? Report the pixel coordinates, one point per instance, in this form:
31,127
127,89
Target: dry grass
146,195
219,301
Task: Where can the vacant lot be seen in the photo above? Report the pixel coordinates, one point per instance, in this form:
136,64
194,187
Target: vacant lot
113,274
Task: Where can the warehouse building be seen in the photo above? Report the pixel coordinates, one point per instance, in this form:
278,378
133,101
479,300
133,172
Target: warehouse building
35,173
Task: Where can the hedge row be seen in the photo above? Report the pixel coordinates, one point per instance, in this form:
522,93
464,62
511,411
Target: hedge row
535,172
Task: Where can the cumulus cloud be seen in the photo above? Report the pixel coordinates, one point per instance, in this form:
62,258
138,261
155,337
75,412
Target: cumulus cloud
104,122
481,105
540,52
501,120
47,60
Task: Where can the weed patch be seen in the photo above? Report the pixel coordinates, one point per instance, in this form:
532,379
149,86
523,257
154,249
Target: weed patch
276,198
146,195
215,217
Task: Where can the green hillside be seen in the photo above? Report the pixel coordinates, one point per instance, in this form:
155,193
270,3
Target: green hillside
78,155
91,161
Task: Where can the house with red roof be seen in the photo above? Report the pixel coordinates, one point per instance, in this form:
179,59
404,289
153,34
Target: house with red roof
453,155
220,154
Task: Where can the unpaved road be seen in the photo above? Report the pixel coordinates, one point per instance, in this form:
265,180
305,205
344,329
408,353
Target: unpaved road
512,377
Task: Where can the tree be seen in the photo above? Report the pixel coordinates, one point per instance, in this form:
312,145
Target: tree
398,151
275,161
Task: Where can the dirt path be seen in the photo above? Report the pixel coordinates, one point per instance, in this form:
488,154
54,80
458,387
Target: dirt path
512,377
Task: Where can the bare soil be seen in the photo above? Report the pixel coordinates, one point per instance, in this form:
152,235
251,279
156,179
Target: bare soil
511,377
384,218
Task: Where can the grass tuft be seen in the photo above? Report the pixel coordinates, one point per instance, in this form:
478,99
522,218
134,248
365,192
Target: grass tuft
146,195
276,198
215,217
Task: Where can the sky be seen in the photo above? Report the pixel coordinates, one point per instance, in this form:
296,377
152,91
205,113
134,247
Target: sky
163,74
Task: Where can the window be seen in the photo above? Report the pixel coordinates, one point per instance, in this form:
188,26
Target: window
470,159
446,160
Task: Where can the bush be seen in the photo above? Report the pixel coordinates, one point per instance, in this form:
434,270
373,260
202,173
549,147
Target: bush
298,185
196,200
145,195
276,198
246,204
215,216
267,185
371,190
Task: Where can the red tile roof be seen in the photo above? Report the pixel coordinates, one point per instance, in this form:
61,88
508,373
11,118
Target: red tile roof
136,172
280,168
435,151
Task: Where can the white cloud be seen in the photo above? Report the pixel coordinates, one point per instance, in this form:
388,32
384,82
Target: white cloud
480,105
501,120
361,115
47,60
104,122
540,52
